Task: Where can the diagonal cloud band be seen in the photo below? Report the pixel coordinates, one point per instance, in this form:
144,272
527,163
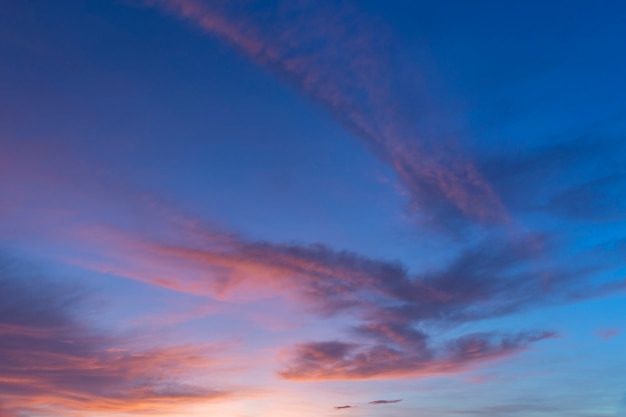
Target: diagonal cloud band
335,56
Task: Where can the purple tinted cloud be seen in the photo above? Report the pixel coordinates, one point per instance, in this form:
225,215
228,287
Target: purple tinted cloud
341,59
50,360
398,312
577,179
313,361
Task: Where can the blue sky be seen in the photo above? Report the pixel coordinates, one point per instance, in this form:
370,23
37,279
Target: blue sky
255,208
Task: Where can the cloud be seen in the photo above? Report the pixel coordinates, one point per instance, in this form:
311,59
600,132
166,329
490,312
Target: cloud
379,402
344,407
341,59
400,316
339,360
402,319
491,278
576,179
397,313
51,361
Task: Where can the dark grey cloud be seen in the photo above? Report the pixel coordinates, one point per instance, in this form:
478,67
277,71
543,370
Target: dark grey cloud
379,402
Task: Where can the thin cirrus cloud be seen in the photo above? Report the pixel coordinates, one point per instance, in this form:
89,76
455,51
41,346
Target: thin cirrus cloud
578,179
340,58
50,360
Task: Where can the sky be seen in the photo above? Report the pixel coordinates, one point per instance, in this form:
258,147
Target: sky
305,208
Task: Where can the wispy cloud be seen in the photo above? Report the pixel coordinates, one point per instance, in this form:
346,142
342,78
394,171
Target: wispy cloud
577,179
51,361
339,360
341,59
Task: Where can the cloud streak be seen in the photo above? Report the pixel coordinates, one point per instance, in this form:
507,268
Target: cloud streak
345,361
341,59
381,402
51,361
577,180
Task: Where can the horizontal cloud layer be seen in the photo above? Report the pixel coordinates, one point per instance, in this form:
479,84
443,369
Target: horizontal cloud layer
400,316
51,361
399,313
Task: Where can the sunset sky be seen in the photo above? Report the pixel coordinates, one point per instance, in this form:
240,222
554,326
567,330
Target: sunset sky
312,208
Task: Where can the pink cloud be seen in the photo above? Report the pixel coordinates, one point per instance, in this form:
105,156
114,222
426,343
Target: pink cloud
341,59
391,301
50,360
